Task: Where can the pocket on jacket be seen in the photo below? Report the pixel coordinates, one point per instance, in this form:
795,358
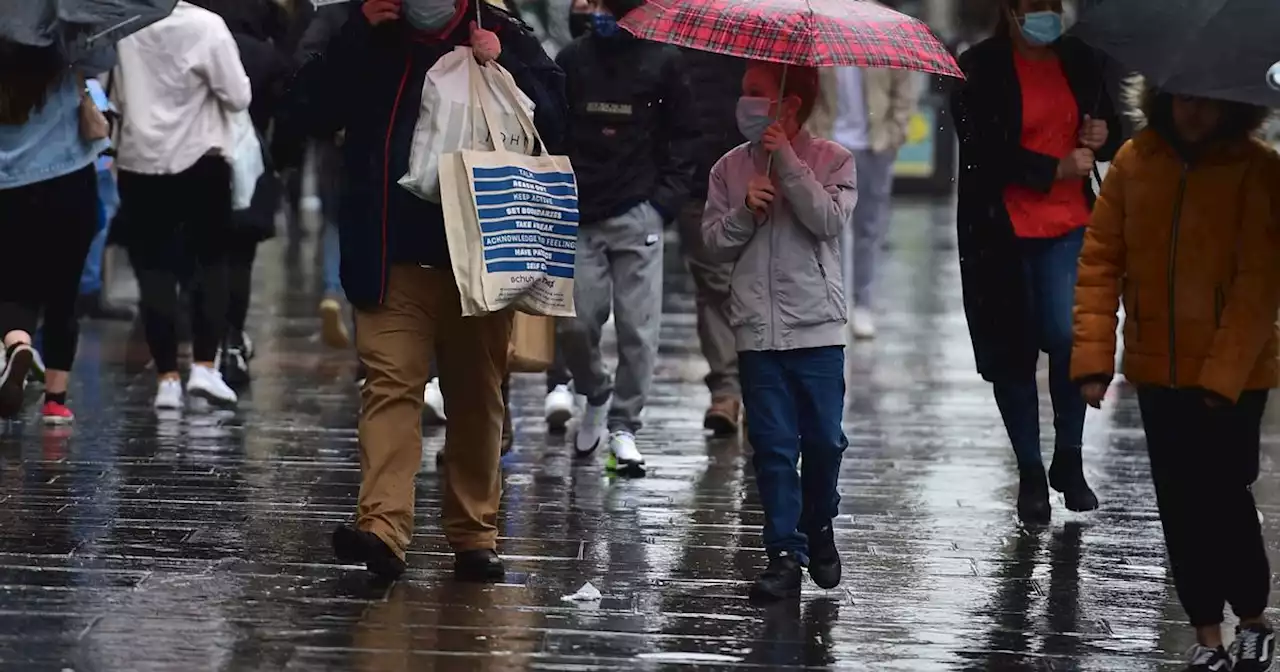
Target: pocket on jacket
807,297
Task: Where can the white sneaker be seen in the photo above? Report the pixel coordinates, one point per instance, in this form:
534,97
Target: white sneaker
624,458
169,395
593,429
559,408
434,399
863,324
207,383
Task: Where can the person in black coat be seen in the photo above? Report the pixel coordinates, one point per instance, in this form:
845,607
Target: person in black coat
1033,116
633,146
397,272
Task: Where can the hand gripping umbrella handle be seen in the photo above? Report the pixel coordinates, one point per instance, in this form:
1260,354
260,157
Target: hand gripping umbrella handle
777,116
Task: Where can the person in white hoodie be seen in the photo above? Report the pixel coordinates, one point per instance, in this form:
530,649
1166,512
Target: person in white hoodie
178,84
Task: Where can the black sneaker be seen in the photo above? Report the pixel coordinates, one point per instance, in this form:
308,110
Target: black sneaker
355,546
233,362
13,379
1067,476
1033,497
824,559
479,566
1254,649
780,581
1204,659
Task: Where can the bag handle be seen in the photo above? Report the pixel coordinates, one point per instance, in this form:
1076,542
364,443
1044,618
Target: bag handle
478,100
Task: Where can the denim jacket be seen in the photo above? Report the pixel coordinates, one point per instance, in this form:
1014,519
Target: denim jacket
48,145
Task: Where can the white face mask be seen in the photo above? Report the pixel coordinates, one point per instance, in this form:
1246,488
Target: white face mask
753,117
430,15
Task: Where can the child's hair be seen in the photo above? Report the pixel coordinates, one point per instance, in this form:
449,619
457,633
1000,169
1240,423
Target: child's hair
802,82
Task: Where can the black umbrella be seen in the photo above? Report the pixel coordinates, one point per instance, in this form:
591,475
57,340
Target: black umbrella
1210,48
77,27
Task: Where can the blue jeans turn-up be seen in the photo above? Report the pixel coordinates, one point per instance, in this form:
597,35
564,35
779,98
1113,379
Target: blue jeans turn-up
1049,273
794,406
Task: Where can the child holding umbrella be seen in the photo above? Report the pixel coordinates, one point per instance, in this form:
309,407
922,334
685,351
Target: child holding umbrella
781,229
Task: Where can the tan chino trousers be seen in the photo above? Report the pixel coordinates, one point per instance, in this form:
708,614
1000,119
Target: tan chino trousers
422,316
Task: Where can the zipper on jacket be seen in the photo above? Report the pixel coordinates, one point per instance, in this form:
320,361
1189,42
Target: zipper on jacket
1173,264
773,239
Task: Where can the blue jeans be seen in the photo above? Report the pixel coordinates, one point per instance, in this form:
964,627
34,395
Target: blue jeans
1049,272
794,406
108,203
332,261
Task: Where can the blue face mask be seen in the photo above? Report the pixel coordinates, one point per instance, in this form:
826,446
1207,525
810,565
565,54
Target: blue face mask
1042,28
753,117
604,25
429,15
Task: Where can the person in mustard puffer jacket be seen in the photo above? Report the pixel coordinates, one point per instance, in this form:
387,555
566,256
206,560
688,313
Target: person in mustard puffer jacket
1187,232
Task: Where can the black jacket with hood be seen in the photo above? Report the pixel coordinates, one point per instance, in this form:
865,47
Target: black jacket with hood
368,83
632,134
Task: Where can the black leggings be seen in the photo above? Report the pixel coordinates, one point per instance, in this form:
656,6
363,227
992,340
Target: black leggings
1203,461
48,228
243,252
178,233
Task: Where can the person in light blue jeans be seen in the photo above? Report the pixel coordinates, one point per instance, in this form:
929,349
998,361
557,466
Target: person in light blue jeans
775,210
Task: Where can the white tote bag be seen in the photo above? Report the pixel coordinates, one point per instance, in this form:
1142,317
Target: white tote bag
245,159
448,117
511,219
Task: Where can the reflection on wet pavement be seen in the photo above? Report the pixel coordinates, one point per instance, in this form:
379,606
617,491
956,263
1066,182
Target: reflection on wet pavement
200,541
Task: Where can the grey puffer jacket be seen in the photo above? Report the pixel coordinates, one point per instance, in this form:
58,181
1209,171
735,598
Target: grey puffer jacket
787,290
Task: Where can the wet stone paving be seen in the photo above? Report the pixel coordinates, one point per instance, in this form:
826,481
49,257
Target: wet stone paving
199,541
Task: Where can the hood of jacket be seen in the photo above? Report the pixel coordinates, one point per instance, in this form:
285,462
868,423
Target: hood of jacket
1149,108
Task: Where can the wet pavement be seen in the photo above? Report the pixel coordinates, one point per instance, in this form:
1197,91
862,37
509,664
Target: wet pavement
200,541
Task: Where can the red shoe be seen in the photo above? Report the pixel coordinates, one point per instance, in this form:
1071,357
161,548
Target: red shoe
54,413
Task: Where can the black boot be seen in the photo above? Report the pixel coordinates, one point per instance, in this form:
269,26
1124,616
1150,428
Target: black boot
355,546
781,580
1033,497
824,558
479,566
1067,476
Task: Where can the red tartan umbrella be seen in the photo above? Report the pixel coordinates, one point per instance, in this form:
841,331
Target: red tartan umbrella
819,33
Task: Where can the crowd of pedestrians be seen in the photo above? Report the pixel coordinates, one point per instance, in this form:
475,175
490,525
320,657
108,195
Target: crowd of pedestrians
779,183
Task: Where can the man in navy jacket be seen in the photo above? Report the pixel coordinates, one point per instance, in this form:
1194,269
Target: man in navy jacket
396,269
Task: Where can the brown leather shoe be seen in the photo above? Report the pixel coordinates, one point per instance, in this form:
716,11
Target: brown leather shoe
723,416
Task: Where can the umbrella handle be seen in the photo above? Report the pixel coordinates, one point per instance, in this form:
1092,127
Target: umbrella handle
777,116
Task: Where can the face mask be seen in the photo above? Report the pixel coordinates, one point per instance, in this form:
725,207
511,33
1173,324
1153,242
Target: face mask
605,25
1042,28
580,24
429,15
753,117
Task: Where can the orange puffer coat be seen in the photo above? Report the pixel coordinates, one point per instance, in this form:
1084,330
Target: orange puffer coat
1194,250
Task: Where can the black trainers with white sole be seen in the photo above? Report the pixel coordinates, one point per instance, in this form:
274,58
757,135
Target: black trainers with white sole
1254,649
13,379
1204,659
